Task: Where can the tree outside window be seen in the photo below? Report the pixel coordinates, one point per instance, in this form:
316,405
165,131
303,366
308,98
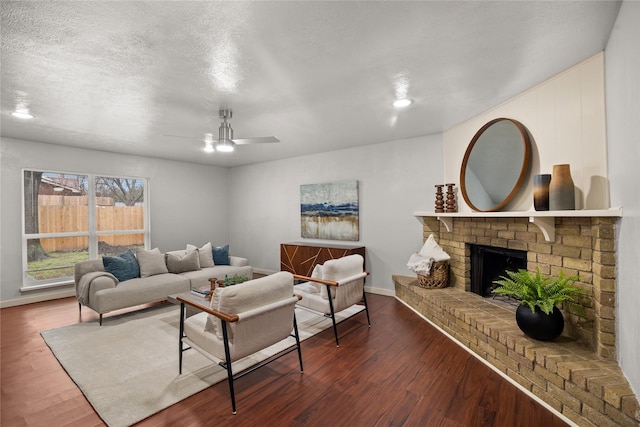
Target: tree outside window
57,231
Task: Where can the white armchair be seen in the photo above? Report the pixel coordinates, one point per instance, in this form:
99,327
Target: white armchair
241,320
343,279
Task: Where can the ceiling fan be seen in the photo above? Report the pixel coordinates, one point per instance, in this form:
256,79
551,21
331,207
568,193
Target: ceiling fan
226,142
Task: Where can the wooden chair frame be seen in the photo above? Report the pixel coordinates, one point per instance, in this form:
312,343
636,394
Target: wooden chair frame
329,284
226,364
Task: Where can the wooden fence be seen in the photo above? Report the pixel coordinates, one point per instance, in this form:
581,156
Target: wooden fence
55,200
61,219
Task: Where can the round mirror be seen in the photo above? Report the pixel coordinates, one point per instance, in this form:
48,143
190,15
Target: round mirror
495,165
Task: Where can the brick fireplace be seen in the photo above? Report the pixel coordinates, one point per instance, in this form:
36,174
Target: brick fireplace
582,245
577,374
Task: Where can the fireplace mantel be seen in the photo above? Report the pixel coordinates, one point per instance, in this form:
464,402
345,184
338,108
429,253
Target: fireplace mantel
544,220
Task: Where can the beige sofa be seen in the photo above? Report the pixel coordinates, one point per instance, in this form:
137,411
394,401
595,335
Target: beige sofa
103,292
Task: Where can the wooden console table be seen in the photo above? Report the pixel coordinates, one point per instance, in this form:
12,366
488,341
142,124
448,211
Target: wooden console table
301,257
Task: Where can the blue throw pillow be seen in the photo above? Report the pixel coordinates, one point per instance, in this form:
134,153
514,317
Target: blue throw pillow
221,255
124,266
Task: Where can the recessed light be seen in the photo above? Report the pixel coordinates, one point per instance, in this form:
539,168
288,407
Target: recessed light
22,115
401,103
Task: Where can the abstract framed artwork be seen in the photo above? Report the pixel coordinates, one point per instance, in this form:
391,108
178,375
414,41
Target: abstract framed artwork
330,211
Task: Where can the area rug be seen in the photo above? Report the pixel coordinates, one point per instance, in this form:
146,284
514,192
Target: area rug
128,368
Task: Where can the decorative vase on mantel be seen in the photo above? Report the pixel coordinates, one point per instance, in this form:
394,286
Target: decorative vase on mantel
561,190
541,192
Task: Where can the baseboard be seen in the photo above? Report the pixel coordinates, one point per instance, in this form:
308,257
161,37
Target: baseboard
38,298
380,291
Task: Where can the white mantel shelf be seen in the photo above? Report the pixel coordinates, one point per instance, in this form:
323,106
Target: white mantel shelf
545,220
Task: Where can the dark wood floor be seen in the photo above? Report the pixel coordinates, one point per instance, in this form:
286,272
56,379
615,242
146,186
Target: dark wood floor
401,372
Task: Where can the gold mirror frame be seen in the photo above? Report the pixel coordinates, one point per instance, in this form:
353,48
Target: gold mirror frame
524,139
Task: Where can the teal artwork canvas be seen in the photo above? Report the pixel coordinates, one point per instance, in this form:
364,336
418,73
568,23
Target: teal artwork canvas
330,211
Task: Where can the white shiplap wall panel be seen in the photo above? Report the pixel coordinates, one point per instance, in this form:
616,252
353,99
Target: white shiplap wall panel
594,148
566,117
544,130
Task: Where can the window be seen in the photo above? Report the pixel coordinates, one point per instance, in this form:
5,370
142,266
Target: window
60,229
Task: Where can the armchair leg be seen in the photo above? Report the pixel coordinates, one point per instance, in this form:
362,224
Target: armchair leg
180,351
227,356
80,308
333,316
366,307
295,329
100,319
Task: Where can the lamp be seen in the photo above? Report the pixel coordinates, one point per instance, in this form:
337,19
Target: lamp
401,103
22,113
208,143
225,135
224,146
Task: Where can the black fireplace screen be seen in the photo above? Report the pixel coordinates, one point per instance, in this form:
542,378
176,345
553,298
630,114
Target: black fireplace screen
489,263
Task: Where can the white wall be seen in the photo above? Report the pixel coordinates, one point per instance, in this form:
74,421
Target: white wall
184,199
623,134
395,179
565,116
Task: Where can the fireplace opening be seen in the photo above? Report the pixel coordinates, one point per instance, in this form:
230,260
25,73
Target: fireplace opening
489,263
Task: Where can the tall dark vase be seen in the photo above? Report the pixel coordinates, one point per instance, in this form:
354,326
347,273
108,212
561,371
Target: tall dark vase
541,192
561,190
538,325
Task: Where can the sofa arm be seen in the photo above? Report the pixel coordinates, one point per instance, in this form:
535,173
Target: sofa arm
236,261
85,267
93,282
102,282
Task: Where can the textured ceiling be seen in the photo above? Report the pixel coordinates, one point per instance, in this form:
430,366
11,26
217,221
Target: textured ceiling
119,76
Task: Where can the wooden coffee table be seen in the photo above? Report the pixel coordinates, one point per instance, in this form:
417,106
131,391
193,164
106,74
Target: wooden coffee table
192,298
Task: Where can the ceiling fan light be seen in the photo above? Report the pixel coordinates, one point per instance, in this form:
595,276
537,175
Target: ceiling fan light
401,103
208,143
224,147
22,114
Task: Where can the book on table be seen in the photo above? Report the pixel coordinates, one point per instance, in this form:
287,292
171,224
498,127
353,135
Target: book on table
203,292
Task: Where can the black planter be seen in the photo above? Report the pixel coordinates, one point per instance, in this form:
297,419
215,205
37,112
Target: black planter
538,325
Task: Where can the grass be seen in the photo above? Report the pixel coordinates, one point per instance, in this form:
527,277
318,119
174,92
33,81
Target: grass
60,264
57,265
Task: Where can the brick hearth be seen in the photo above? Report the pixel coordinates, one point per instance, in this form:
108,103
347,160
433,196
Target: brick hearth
565,374
575,374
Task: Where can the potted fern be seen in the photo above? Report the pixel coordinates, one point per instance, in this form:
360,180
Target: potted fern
538,315
233,280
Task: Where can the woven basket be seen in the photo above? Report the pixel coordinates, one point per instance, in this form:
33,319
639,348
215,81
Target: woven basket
438,277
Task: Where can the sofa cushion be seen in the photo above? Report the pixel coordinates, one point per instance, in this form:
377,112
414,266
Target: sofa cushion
151,262
180,264
139,291
123,266
205,253
221,255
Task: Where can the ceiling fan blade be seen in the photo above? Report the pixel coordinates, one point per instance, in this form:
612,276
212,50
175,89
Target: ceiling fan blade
199,138
257,140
